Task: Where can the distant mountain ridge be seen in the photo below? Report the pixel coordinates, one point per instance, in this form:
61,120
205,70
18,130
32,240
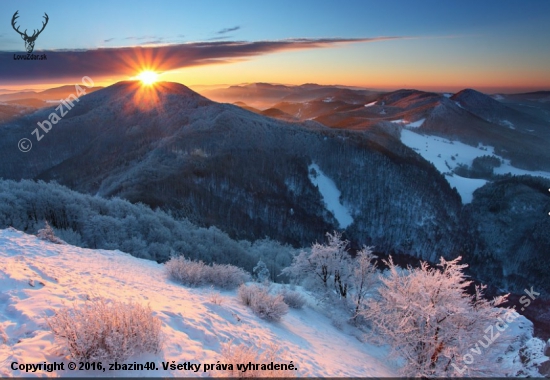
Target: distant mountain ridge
519,134
48,94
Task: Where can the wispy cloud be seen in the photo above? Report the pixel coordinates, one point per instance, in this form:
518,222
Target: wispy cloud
218,38
108,39
228,30
70,65
142,38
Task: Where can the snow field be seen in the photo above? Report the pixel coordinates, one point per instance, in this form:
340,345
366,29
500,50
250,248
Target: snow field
446,155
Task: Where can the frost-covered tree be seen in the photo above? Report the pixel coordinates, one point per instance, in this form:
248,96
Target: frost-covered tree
429,319
260,271
328,266
363,278
94,222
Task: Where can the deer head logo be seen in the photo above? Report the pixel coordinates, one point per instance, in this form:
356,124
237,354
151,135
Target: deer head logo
29,40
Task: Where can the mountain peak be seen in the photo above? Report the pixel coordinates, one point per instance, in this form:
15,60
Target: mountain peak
469,95
161,87
126,93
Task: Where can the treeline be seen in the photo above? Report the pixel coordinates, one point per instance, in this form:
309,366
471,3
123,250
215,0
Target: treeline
98,223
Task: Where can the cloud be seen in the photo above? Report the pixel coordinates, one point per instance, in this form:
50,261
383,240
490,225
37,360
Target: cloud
142,38
71,65
218,38
153,42
108,39
228,30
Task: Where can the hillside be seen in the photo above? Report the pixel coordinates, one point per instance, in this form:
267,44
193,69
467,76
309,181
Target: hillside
516,125
37,278
247,174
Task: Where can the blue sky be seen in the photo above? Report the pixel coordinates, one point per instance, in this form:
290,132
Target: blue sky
458,43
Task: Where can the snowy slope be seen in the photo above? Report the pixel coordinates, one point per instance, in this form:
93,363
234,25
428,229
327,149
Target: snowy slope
38,277
331,195
446,155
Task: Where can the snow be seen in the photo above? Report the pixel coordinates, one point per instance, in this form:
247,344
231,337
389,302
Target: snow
38,278
446,155
370,104
465,186
447,95
416,124
193,326
507,167
331,196
508,124
328,100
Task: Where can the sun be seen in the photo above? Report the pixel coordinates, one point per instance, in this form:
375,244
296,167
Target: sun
148,77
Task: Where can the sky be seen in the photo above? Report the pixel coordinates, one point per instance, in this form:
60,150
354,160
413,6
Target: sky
492,46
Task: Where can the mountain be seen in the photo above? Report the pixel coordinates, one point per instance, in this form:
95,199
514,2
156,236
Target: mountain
536,104
254,176
517,132
271,112
52,94
264,95
496,112
256,94
247,174
473,124
9,111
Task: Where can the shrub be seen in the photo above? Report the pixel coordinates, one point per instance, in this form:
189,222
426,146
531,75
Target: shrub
214,297
47,234
246,293
226,276
185,271
293,299
197,273
263,304
99,330
243,354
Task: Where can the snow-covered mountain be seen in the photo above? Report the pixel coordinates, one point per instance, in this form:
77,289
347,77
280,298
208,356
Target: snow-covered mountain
515,126
217,164
248,174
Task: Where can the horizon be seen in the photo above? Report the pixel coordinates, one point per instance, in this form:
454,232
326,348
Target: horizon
199,87
493,47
